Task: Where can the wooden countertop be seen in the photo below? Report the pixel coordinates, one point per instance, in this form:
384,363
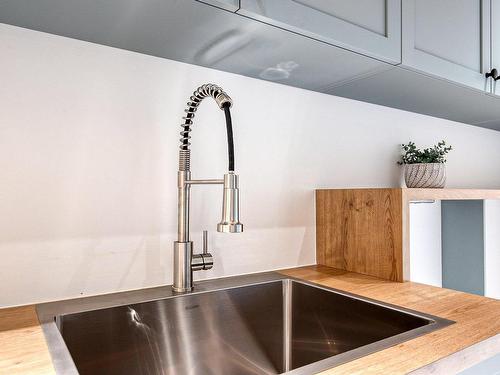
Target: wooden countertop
477,319
23,349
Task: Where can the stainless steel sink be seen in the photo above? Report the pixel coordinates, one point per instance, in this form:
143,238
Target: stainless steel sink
269,327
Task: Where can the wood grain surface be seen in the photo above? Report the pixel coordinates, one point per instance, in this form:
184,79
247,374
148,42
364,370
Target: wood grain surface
451,194
22,345
361,230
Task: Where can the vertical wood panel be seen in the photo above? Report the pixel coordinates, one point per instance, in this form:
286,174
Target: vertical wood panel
360,230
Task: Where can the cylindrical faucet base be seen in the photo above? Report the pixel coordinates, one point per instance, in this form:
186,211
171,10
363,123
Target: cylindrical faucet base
183,274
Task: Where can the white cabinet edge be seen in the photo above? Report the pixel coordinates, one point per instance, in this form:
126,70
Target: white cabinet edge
463,359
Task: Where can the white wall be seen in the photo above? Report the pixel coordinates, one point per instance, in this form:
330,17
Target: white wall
88,160
425,243
492,248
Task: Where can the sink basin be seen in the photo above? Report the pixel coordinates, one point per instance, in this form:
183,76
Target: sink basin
272,327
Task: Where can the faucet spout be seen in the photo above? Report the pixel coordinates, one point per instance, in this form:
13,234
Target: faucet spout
185,262
230,222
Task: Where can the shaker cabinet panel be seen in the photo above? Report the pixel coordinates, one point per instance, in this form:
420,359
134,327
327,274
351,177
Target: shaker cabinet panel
448,38
370,27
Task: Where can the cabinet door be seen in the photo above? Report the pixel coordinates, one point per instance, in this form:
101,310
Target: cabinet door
231,5
495,42
370,27
449,39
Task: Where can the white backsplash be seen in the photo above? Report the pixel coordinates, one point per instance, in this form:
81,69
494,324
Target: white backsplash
88,161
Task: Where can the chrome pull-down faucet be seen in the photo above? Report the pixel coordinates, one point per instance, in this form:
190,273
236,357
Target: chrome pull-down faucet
185,262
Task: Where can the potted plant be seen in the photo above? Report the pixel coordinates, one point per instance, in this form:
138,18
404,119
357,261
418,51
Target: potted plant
424,168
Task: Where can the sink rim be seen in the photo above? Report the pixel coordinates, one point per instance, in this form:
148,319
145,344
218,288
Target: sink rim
49,315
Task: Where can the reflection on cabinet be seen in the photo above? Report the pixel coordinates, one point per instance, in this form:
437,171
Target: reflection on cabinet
231,5
370,27
424,56
195,33
448,38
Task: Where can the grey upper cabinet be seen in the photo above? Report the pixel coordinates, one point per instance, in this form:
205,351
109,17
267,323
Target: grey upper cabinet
449,39
215,38
495,42
369,27
425,56
231,5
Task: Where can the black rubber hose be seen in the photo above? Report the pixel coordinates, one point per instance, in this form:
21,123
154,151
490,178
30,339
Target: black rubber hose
230,144
187,125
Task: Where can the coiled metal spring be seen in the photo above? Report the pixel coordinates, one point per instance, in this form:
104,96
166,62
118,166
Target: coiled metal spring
199,94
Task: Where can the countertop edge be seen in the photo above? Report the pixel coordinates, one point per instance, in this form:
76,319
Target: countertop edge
463,359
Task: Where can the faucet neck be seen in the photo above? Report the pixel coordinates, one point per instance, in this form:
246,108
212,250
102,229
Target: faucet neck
224,102
183,197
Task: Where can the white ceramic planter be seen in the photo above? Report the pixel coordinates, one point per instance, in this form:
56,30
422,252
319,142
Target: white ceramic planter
425,175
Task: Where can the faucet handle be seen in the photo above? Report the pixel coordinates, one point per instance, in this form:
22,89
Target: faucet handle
205,260
205,242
